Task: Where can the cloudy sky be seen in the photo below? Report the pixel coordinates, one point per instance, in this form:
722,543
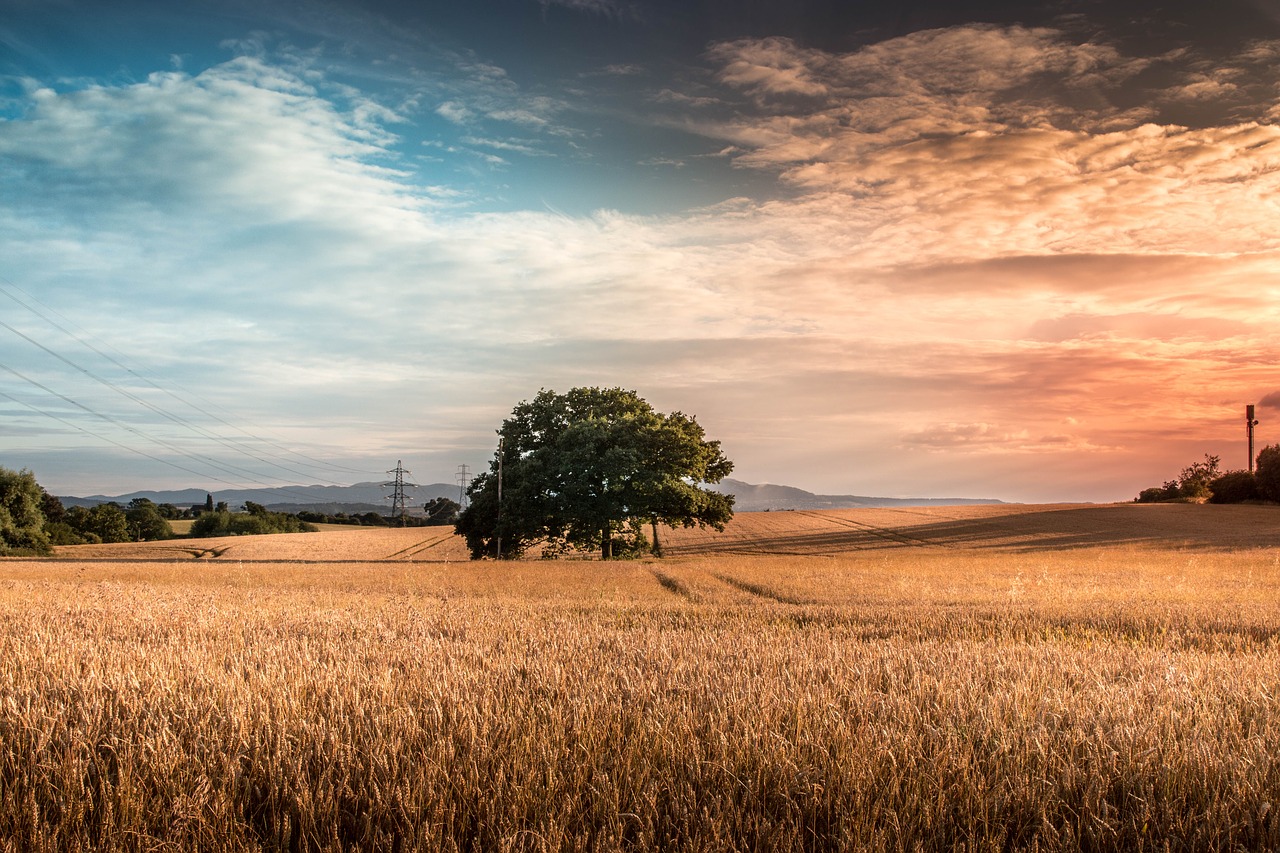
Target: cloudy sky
947,248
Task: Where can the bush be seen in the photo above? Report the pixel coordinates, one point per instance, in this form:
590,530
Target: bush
1157,494
1234,487
212,524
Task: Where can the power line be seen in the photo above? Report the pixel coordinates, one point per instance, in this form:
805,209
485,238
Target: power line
180,421
140,434
121,445
7,287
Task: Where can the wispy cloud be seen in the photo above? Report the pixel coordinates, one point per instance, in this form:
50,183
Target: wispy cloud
620,9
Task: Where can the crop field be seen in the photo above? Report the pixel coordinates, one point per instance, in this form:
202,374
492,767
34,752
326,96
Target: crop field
975,678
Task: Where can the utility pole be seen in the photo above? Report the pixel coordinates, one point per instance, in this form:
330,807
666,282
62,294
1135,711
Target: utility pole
397,497
1250,423
463,479
499,499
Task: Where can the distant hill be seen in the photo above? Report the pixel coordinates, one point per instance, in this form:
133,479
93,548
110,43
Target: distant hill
371,497
362,497
753,498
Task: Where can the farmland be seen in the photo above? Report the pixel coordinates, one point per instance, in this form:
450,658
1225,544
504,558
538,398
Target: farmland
986,677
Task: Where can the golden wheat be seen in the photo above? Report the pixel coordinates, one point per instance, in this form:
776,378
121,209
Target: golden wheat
906,697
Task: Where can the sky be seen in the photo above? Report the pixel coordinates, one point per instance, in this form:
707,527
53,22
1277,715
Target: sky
1025,251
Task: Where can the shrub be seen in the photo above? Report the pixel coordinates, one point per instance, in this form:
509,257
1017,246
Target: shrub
217,523
1156,494
1233,487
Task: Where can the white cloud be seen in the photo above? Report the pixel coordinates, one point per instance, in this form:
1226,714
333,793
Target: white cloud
454,112
949,251
936,145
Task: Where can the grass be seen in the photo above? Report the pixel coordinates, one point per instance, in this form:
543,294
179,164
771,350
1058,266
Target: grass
898,696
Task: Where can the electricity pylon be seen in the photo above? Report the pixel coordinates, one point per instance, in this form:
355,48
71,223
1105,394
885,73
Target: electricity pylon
397,497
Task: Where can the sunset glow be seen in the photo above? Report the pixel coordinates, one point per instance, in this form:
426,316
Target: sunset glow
979,250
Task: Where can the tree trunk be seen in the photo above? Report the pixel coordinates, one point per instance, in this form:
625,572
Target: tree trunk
606,542
657,546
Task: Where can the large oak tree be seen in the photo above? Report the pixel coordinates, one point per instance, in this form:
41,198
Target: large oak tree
589,469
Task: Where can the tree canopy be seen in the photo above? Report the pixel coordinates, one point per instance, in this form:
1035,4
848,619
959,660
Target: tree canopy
588,469
21,517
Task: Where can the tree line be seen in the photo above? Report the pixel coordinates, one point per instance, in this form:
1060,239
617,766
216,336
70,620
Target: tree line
1206,481
33,521
591,469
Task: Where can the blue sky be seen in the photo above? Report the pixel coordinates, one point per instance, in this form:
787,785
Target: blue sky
1025,251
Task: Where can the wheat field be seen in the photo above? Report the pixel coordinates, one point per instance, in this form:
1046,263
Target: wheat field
976,678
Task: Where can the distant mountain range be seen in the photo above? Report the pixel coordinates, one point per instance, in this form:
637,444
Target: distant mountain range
752,498
373,497
360,498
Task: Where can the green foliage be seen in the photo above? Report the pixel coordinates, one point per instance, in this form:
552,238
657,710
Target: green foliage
1234,487
51,507
1192,483
145,522
1268,472
440,511
1156,494
211,524
106,521
257,520
587,469
1194,480
55,522
21,517
62,533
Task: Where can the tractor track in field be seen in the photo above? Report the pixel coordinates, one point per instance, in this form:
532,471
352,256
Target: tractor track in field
759,590
886,533
418,547
675,586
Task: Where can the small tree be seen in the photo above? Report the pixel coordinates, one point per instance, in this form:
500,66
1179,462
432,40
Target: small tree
109,523
1194,480
145,522
440,511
